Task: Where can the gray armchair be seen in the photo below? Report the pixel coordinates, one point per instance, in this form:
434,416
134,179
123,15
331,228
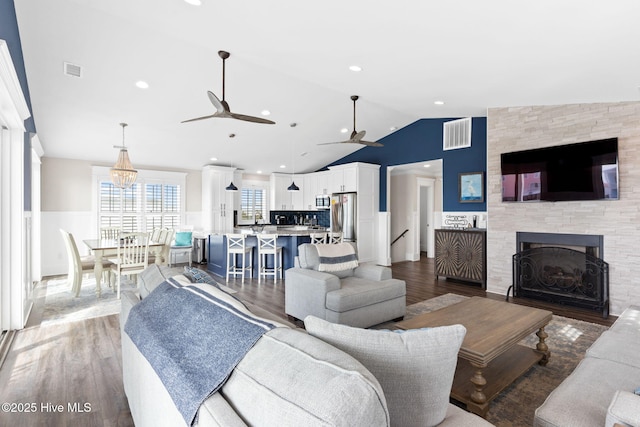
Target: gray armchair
361,297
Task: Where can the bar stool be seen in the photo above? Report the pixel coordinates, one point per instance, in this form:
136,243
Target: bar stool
335,237
267,246
237,245
318,238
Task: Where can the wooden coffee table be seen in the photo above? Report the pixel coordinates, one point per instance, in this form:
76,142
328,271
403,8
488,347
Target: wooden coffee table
490,358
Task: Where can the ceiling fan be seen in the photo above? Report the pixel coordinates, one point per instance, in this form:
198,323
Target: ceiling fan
222,107
356,137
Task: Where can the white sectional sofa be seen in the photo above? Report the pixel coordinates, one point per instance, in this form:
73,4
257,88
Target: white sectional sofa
288,378
600,391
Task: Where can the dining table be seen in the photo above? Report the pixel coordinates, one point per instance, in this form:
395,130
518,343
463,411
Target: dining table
103,248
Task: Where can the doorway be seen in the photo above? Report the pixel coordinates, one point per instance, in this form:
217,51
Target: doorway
415,201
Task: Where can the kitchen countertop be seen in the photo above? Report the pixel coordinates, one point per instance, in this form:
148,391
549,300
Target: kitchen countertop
280,230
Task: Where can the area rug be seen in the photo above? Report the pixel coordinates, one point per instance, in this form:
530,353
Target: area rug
568,340
61,306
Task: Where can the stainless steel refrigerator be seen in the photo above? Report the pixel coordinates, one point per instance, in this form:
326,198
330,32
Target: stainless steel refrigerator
343,215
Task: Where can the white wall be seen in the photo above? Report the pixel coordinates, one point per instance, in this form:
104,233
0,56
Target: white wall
514,129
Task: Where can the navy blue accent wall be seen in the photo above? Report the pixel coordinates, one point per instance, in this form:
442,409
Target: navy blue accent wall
9,33
421,141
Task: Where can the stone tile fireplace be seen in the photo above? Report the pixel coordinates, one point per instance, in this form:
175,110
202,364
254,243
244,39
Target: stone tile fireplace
561,268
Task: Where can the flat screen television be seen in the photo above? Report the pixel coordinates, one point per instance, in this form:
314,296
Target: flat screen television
581,171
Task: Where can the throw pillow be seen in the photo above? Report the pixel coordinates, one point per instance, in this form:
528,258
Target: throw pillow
183,238
195,275
415,369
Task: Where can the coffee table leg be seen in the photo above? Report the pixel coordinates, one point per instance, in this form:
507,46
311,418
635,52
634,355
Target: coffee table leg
478,403
542,347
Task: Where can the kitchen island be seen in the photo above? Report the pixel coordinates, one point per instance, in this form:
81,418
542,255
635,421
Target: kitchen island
289,237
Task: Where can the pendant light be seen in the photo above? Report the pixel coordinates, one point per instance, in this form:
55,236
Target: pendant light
123,175
231,187
293,186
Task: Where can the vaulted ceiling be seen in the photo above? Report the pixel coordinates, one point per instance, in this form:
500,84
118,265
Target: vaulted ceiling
292,58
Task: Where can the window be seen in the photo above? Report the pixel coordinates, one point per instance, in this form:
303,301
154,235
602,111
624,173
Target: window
162,206
154,201
253,205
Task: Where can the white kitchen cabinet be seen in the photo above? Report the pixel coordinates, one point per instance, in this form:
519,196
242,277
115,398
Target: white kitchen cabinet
322,182
310,182
217,203
344,178
364,179
283,199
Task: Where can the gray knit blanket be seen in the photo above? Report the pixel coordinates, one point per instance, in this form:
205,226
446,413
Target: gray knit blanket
192,339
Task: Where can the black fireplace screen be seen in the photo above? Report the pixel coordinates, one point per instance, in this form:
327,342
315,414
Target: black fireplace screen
562,275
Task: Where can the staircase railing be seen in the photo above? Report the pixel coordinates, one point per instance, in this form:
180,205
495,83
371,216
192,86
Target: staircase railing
398,238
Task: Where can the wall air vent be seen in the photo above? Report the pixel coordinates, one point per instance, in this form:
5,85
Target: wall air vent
72,70
457,134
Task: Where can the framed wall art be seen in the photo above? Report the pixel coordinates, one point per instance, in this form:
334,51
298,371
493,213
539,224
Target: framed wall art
471,187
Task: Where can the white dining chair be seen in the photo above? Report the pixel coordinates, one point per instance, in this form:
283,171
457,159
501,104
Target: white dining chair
318,238
237,246
155,234
78,265
335,237
109,233
132,256
267,245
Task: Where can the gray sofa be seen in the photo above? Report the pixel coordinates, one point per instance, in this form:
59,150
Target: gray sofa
288,378
361,297
599,392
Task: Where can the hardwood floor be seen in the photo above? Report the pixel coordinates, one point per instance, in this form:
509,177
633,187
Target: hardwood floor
80,362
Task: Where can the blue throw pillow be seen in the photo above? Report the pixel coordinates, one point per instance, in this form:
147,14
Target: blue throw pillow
195,275
183,238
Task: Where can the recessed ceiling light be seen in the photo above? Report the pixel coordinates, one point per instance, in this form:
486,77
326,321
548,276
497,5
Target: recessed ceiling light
438,102
213,159
393,128
193,2
344,130
355,68
283,166
266,112
142,84
258,171
426,166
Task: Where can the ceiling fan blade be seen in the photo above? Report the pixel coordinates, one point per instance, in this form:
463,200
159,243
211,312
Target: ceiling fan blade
201,118
250,118
331,143
358,136
370,143
216,102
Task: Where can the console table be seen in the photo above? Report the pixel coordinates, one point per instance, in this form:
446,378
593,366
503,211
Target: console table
461,254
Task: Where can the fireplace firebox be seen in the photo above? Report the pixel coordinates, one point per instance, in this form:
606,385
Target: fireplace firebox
561,268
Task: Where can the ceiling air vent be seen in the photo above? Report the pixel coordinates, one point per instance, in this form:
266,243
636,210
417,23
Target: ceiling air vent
457,134
72,70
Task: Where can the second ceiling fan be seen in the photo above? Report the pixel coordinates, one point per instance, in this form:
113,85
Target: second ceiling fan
222,107
356,137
